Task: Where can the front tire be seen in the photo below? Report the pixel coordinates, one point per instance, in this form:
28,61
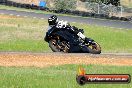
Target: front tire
53,45
62,46
94,48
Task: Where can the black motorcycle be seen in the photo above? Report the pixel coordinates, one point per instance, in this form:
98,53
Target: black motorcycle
63,40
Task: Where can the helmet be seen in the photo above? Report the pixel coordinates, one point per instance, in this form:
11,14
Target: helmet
53,20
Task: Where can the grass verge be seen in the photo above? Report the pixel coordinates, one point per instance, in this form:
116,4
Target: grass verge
57,77
26,34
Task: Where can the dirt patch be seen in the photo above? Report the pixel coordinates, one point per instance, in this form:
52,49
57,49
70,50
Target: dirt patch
9,17
51,59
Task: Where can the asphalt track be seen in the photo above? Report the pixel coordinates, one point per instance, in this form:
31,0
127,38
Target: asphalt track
122,55
92,21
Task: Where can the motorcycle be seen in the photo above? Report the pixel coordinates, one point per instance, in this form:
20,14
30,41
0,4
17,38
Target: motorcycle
61,40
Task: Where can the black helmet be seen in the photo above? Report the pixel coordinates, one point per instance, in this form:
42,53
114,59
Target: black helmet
53,20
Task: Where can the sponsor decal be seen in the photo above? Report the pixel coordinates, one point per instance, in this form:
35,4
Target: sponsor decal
83,78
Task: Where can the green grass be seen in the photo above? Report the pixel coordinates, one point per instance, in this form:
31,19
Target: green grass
57,76
21,34
26,34
111,39
24,45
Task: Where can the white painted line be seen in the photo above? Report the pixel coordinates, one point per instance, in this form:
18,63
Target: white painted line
115,27
74,22
11,14
18,15
1,13
25,16
42,18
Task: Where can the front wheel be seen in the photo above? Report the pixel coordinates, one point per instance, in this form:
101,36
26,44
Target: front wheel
59,46
53,45
94,48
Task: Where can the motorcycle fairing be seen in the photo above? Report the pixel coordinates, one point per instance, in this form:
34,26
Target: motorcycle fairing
73,41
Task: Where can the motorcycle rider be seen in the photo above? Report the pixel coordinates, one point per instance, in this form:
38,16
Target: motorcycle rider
54,22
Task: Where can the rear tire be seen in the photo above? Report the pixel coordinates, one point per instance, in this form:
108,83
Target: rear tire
62,47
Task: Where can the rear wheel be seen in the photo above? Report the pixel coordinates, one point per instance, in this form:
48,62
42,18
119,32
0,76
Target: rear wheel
94,48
